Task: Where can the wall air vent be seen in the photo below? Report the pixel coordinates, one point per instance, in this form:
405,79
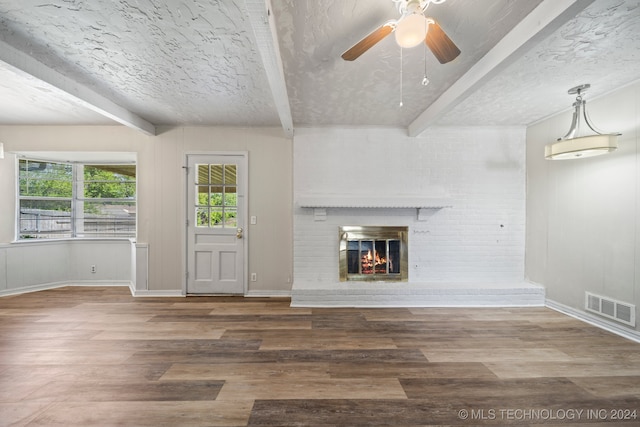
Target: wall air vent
616,310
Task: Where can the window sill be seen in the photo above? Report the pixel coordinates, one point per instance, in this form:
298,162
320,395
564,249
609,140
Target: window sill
72,240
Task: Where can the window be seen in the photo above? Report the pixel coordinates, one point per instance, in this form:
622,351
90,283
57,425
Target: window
67,200
217,203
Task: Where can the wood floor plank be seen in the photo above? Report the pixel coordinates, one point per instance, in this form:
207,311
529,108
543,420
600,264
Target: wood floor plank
346,412
538,391
538,369
174,332
496,354
97,356
246,371
312,388
21,413
614,386
153,414
409,370
100,391
343,343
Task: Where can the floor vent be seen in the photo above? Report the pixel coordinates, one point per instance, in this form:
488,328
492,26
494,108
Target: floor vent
607,307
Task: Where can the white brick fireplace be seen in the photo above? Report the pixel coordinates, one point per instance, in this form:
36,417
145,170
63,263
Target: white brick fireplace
460,192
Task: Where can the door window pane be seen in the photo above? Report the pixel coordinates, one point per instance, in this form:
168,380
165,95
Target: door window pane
216,174
202,177
216,196
230,174
216,217
202,217
230,197
230,217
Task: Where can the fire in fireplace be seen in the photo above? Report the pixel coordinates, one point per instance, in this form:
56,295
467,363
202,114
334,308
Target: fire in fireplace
373,253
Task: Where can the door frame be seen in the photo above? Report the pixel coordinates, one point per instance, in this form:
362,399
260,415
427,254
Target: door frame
185,209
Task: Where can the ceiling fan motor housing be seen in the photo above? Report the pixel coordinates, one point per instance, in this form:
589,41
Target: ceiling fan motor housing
407,7
412,28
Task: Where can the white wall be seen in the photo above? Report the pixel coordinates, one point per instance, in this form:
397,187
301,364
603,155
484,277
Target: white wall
161,192
43,264
582,215
480,238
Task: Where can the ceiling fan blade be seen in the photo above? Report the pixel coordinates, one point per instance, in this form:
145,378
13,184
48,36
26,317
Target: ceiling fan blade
440,44
368,42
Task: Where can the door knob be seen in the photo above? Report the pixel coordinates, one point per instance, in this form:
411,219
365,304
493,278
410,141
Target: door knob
239,233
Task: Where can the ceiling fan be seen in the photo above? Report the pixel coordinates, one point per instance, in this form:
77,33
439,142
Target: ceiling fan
412,28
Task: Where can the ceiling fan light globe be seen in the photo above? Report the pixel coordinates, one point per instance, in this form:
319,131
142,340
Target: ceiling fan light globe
411,30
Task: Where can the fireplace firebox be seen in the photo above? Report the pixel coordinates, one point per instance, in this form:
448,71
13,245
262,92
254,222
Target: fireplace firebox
373,253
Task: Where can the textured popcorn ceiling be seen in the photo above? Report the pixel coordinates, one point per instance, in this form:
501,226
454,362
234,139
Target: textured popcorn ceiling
601,47
170,62
195,62
325,90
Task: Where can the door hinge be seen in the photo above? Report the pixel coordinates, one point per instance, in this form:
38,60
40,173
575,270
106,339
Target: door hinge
187,222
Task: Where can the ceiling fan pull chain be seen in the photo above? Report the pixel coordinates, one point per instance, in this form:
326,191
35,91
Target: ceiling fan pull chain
401,104
425,79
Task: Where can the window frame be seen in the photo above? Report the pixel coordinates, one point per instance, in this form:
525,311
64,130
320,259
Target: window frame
77,200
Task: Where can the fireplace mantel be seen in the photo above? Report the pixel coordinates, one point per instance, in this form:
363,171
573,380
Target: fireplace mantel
321,203
400,202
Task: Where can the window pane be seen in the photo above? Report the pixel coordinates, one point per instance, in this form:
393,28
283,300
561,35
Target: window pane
45,170
230,218
230,197
202,217
203,174
116,173
216,217
216,196
216,174
108,219
230,174
45,188
45,219
203,195
45,179
110,190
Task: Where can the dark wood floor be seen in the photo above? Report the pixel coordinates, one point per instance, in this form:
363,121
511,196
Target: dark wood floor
98,357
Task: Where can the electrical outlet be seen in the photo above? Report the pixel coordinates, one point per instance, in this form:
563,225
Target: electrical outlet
254,277
93,268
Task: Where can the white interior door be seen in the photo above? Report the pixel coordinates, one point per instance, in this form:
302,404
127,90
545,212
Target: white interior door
216,206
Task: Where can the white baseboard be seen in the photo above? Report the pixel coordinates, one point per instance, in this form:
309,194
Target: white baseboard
156,293
594,320
56,285
268,294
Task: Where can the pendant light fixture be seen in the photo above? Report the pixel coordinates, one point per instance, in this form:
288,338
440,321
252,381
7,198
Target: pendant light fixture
576,146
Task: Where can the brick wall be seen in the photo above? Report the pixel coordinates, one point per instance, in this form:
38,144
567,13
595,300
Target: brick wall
479,238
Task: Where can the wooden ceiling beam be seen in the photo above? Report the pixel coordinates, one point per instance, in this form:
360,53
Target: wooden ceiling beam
545,19
24,64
